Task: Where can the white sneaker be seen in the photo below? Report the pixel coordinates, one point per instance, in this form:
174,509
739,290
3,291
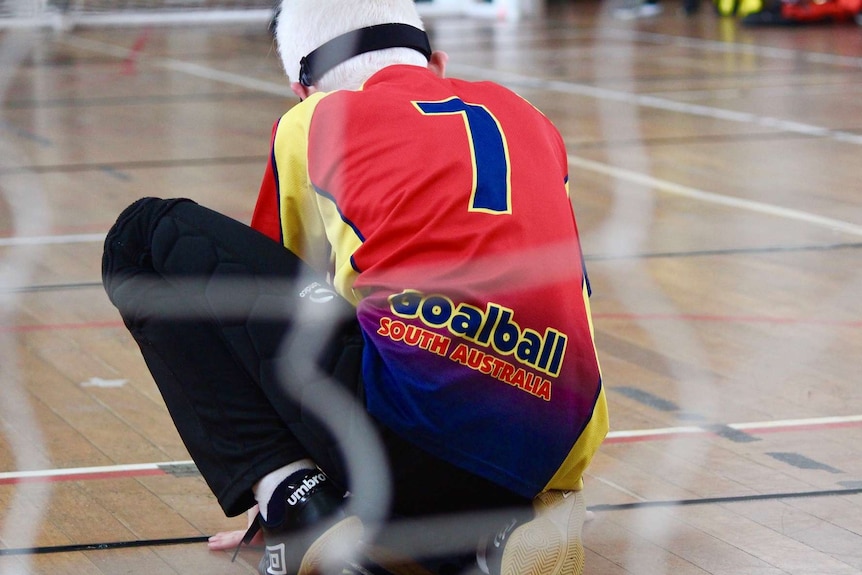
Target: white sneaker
550,544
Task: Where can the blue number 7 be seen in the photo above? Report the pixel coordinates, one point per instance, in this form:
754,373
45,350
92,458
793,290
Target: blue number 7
491,174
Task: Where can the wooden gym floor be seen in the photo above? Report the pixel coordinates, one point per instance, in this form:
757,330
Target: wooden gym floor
716,176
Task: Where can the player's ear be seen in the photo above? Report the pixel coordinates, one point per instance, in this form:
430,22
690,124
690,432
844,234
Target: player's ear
302,91
437,63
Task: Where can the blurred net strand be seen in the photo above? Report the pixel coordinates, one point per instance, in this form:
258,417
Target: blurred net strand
20,430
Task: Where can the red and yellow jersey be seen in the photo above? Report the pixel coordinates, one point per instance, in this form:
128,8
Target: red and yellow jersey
440,208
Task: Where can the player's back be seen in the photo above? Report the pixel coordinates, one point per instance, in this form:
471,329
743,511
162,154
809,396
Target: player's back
452,199
435,176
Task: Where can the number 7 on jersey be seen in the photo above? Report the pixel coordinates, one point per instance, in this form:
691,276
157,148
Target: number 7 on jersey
491,172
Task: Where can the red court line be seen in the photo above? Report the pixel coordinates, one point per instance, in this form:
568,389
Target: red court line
129,65
615,437
611,439
804,427
727,319
58,477
786,426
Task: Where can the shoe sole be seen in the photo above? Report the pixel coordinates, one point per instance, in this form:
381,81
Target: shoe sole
551,543
337,545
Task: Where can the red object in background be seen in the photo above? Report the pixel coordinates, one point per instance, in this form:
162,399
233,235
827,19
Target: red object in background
830,10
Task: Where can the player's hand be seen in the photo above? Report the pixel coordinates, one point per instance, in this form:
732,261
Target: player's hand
229,540
225,540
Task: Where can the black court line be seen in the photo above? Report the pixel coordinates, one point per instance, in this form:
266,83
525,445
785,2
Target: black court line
682,140
724,500
597,258
53,287
699,253
131,165
595,508
102,546
729,251
112,101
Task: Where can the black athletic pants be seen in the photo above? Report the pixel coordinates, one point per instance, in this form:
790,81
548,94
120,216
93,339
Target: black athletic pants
209,301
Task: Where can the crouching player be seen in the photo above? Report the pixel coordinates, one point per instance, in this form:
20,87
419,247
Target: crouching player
429,219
